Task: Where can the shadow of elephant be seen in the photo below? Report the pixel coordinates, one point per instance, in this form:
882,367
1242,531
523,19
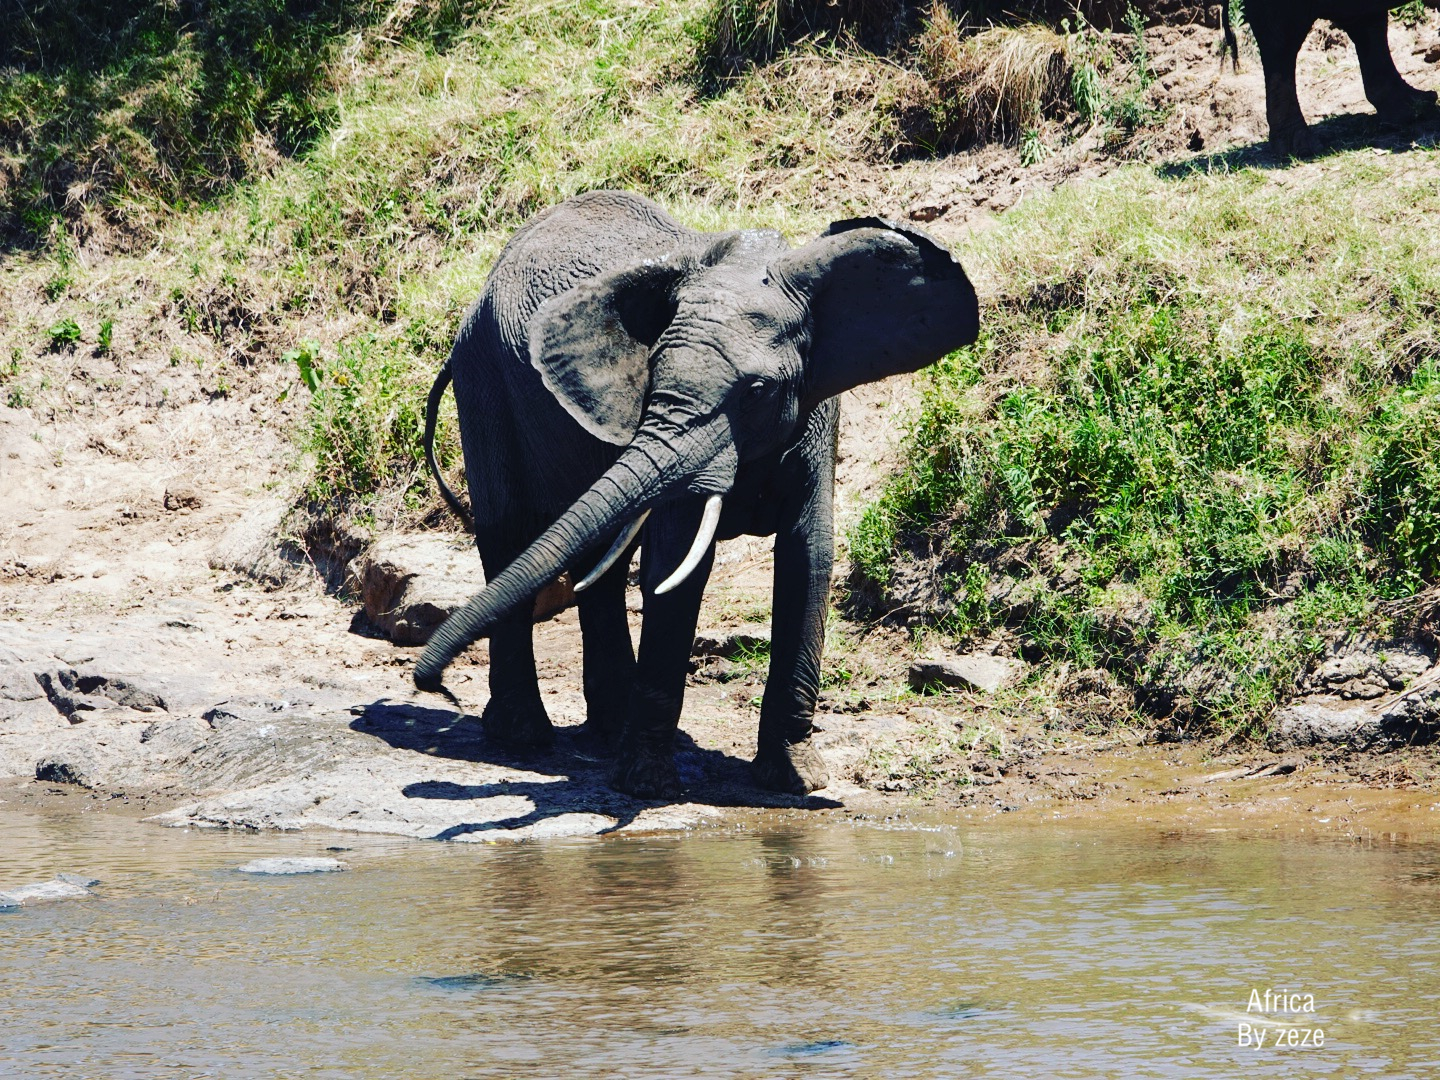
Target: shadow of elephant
1336,134
575,773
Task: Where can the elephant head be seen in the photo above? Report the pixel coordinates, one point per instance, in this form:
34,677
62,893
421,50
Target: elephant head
708,357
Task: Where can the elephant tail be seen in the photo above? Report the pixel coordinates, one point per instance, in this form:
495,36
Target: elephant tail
1232,43
432,408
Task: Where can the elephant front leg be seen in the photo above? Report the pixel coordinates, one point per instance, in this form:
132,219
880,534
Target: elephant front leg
1395,100
1279,36
609,658
645,765
786,759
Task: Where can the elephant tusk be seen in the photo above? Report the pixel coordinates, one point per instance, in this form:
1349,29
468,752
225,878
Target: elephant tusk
616,550
703,536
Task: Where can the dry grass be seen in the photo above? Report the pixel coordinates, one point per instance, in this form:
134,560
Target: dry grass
996,84
738,30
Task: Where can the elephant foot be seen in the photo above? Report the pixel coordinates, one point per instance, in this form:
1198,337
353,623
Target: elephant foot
647,776
1299,141
1405,108
525,727
796,769
603,727
594,740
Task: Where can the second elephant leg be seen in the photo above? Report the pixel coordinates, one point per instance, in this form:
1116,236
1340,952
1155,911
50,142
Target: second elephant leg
609,658
645,765
515,716
1279,36
1395,100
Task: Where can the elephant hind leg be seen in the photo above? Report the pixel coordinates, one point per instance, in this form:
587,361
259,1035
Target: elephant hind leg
515,717
1279,38
609,657
1395,100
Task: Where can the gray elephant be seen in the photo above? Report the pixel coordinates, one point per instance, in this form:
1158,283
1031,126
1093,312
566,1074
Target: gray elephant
1280,28
621,372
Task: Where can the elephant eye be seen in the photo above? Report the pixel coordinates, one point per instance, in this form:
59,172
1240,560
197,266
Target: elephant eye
756,388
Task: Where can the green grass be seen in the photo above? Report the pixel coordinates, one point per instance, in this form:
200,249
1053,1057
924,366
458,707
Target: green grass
1216,396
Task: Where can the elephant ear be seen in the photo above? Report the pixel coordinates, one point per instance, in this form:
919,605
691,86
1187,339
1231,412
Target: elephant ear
883,300
592,344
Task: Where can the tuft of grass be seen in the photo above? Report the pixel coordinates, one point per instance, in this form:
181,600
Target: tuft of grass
364,421
731,33
994,85
1208,394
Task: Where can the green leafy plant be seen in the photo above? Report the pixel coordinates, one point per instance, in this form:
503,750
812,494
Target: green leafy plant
63,333
306,358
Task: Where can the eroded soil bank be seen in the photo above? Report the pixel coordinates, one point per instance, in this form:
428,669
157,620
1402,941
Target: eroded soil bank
165,648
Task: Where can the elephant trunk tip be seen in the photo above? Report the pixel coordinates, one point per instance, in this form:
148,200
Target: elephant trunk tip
430,680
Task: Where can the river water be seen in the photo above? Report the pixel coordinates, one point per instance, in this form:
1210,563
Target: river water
775,947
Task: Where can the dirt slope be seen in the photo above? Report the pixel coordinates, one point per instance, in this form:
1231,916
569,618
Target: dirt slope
132,669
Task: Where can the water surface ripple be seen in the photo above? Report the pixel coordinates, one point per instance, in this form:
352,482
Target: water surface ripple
774,948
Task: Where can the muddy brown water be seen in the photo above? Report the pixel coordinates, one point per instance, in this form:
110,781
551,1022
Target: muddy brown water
771,947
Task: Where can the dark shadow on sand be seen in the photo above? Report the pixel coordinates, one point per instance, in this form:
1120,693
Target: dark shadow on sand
1337,134
580,768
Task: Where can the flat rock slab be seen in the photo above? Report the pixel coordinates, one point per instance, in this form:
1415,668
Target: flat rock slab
731,643
45,892
292,866
975,672
411,584
1408,719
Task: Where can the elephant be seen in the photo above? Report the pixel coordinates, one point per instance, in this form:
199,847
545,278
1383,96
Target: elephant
623,380
1280,28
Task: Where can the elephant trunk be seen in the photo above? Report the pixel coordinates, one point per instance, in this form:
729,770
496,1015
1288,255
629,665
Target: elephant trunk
640,477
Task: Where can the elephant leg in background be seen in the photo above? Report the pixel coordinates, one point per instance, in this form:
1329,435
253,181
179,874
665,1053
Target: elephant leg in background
1395,100
1279,37
609,658
785,759
645,765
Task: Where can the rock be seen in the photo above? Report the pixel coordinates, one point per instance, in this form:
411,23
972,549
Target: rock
64,887
1364,669
731,643
59,686
81,880
252,547
974,671
292,866
1407,720
1413,718
66,770
1317,722
17,681
928,211
182,498
411,584
74,693
244,711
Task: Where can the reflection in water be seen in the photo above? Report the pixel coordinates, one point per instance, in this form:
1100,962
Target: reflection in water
773,949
